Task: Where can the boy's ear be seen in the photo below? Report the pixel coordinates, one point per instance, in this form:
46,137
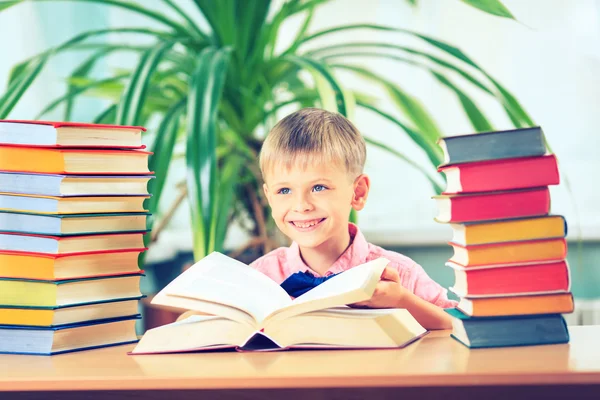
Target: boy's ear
361,192
266,191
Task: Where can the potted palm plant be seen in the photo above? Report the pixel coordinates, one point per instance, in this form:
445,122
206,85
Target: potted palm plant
216,84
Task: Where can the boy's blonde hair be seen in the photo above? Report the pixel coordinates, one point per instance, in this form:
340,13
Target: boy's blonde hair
312,135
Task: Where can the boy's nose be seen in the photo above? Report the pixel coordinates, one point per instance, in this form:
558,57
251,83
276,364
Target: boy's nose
302,204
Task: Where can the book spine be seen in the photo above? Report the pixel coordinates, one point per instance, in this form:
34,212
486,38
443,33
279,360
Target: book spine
501,205
508,175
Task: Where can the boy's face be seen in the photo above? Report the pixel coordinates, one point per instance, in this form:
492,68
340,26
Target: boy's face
311,205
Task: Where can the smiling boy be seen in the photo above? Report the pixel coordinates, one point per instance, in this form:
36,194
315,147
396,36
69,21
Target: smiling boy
312,164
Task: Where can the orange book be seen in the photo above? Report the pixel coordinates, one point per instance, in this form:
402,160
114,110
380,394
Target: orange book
51,267
509,253
73,161
57,316
513,230
555,303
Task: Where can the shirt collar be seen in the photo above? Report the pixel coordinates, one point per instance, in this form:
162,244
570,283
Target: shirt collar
354,255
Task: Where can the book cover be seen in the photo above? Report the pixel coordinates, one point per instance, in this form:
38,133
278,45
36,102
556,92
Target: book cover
493,206
539,303
80,244
495,280
54,317
509,252
509,230
71,224
496,145
71,205
74,185
69,134
531,330
499,175
73,161
34,293
69,338
43,266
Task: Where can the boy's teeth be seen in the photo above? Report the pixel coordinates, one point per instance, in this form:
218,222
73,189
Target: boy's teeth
306,224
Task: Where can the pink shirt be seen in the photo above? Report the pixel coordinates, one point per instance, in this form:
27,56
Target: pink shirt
284,261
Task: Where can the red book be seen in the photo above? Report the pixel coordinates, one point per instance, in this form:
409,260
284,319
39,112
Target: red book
69,134
493,206
509,174
511,280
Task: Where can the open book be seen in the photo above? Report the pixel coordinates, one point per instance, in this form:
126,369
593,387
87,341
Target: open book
246,309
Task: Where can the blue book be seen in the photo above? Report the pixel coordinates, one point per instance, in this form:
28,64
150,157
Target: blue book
525,330
72,224
73,185
67,338
497,145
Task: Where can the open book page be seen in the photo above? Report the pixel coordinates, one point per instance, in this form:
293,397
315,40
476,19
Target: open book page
222,280
194,333
347,328
205,307
352,286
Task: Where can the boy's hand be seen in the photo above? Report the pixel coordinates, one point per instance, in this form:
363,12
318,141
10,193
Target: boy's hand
389,292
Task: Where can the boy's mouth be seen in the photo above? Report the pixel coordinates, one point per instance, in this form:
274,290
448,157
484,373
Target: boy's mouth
308,223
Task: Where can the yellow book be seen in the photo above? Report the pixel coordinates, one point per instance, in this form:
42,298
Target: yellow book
509,253
29,293
514,230
555,303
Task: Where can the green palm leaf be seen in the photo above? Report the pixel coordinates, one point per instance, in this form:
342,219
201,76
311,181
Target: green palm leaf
107,116
427,133
19,85
412,134
478,120
8,3
494,7
339,100
77,91
206,89
130,107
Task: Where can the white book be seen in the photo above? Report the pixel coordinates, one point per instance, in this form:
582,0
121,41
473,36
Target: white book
245,309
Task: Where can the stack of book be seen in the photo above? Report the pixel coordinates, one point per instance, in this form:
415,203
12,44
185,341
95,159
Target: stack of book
72,222
509,261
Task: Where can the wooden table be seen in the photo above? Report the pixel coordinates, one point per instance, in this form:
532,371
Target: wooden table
434,367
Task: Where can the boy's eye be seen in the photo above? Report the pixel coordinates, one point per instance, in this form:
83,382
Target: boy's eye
283,191
319,188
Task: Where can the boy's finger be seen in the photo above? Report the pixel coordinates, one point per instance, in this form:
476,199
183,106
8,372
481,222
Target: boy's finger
362,304
390,274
